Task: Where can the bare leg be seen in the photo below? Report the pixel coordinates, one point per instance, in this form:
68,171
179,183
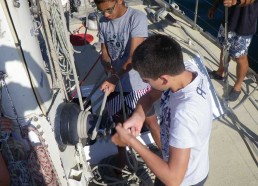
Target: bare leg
220,70
241,70
152,124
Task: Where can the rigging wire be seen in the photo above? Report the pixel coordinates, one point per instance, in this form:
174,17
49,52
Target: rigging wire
225,52
247,137
212,27
184,42
88,73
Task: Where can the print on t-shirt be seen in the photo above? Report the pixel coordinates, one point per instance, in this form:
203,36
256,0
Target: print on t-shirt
115,45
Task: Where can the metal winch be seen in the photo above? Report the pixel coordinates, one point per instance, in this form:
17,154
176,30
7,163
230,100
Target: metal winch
73,124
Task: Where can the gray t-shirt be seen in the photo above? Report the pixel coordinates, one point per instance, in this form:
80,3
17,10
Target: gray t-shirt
117,35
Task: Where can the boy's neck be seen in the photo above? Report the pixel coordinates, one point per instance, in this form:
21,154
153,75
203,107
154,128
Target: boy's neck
121,11
182,80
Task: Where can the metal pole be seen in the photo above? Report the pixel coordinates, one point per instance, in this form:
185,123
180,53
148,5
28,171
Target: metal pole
226,58
196,13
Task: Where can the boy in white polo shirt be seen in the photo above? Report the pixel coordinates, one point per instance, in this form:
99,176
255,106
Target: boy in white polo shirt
185,114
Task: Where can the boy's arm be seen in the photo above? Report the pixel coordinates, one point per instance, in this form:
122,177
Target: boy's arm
105,58
111,83
212,10
171,172
135,42
144,104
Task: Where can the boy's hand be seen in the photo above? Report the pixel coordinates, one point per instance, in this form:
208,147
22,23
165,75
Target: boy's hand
211,12
134,123
107,66
109,85
122,136
229,3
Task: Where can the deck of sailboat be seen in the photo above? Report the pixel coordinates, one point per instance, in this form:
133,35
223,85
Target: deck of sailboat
234,139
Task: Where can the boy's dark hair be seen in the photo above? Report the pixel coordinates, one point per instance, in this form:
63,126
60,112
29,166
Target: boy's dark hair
101,1
158,55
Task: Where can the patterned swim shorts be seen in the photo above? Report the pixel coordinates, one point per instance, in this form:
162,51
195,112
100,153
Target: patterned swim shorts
238,44
114,105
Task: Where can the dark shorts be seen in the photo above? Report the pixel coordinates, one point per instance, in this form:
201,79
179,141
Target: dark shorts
238,44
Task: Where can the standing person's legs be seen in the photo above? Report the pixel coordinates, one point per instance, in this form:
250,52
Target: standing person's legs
221,38
241,70
238,51
220,70
218,74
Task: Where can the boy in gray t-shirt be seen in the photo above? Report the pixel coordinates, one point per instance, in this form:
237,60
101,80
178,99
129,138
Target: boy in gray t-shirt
121,30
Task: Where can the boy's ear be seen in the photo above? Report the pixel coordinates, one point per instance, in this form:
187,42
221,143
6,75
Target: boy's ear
164,79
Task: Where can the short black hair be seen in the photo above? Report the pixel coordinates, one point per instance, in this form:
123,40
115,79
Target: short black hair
158,55
101,1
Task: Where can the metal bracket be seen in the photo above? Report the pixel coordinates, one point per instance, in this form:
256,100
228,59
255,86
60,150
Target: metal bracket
16,3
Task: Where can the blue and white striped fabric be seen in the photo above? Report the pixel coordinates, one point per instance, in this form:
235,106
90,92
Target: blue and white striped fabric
114,105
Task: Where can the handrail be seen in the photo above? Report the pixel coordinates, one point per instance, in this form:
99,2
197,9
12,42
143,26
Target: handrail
196,16
226,46
196,13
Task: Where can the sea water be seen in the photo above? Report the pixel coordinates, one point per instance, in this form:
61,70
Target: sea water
212,25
